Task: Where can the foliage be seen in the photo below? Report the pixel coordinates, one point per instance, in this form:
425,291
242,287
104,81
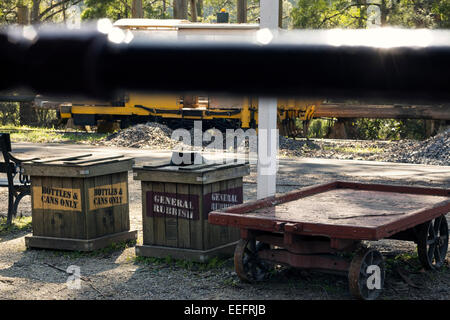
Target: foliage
47,135
318,128
353,14
211,7
39,10
419,14
160,9
8,11
373,129
116,10
390,129
17,225
47,118
9,113
319,14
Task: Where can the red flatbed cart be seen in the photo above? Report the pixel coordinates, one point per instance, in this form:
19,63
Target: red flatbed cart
312,227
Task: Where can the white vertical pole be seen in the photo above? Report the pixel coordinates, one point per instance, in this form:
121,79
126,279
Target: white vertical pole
267,147
267,117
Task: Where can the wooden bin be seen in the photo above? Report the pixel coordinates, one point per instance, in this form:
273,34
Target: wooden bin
176,201
80,203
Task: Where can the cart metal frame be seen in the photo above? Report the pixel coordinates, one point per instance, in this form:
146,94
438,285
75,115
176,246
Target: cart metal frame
322,246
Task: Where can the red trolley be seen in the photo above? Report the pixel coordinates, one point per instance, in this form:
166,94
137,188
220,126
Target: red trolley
312,227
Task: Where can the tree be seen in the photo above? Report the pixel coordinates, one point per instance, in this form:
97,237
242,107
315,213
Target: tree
211,7
322,14
353,13
121,9
136,9
241,11
180,9
328,14
40,10
46,10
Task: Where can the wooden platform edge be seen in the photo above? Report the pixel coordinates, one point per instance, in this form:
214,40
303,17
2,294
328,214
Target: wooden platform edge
78,244
224,251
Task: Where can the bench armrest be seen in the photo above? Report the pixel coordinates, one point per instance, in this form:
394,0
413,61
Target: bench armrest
17,160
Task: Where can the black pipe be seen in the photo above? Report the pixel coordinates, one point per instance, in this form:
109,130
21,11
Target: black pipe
87,64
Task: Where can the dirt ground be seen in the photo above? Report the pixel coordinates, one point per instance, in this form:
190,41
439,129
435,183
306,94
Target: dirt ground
116,273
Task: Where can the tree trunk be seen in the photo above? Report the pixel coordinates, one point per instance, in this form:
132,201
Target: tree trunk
384,13
337,131
360,19
280,13
193,10
64,13
180,9
35,12
136,9
200,8
241,11
23,16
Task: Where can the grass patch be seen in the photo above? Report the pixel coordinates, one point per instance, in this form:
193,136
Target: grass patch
353,150
408,261
17,225
48,135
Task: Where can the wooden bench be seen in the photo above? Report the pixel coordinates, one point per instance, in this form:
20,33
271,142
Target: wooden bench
17,183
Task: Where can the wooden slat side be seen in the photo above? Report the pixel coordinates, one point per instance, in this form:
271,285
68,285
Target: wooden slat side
120,212
159,222
171,228
37,214
90,215
80,223
184,237
147,221
196,226
212,232
68,220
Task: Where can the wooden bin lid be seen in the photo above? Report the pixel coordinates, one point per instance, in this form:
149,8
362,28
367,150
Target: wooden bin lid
78,166
191,174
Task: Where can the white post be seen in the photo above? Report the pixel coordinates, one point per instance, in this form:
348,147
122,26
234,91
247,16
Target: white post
267,147
267,117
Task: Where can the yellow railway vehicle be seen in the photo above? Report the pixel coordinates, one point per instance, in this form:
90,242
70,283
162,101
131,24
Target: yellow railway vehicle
181,111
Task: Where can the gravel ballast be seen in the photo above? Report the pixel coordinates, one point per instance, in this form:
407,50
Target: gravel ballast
433,151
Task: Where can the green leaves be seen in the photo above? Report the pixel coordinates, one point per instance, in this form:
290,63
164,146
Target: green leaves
323,14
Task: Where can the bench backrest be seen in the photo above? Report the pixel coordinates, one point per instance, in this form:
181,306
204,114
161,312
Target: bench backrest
5,147
5,142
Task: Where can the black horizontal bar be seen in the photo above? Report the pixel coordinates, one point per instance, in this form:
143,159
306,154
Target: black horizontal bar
87,64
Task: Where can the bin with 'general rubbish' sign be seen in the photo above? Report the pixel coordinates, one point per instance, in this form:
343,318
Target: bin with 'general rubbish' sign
176,200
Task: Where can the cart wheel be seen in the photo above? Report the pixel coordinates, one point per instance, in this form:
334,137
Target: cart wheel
366,274
432,243
248,266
